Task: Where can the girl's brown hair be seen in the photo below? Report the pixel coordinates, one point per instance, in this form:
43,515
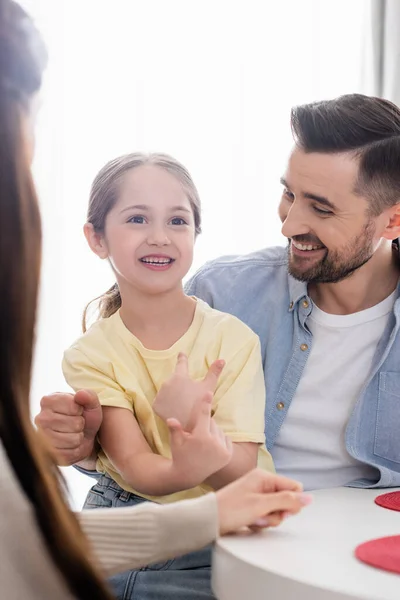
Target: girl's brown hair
104,195
22,59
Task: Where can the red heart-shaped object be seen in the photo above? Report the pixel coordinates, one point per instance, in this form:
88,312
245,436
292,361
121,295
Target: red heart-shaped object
382,553
391,500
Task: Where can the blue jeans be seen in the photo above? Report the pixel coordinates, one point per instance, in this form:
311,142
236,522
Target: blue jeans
184,578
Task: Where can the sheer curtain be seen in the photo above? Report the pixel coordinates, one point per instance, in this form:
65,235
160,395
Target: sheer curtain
382,49
209,82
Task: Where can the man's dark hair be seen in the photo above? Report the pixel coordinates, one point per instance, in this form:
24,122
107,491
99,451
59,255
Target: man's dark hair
365,126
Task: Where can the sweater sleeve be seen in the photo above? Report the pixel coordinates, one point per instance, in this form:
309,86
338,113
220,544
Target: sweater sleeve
132,537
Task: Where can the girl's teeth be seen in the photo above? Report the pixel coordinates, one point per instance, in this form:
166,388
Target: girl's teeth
157,261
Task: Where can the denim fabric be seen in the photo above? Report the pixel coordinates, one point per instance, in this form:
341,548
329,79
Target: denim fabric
258,290
186,577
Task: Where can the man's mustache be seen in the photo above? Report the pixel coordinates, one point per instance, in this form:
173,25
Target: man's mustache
307,240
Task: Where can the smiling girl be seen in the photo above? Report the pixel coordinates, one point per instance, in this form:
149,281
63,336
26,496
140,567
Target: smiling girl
143,217
152,340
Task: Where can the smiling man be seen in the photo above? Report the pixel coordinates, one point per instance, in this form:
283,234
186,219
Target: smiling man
327,309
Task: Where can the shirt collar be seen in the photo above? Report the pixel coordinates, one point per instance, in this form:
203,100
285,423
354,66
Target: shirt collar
297,290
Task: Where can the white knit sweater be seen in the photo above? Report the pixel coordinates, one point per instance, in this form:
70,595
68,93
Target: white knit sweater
122,538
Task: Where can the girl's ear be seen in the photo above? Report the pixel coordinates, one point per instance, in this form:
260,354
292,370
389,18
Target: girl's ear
95,240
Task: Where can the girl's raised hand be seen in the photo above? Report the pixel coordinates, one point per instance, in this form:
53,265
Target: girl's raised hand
180,394
199,453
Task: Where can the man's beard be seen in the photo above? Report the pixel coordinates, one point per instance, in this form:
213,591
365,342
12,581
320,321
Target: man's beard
336,265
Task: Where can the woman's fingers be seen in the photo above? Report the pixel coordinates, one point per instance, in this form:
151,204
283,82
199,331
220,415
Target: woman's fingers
282,502
281,483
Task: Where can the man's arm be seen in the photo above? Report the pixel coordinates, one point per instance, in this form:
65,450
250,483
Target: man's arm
69,423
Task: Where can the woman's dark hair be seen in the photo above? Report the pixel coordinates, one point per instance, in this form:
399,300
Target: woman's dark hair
364,126
22,60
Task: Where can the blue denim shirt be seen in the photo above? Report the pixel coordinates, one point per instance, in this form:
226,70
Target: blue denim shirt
258,290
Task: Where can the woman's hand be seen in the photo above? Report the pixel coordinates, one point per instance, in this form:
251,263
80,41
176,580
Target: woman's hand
179,394
259,499
199,453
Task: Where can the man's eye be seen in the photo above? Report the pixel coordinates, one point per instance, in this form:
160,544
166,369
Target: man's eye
322,211
288,194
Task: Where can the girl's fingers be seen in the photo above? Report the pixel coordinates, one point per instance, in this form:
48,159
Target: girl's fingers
211,379
182,365
216,431
228,443
202,414
177,435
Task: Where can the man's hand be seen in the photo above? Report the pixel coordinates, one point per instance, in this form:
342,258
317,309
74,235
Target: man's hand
180,394
70,424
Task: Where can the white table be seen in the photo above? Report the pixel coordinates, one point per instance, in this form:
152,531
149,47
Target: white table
310,556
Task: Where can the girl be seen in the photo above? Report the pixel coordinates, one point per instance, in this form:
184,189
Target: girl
143,217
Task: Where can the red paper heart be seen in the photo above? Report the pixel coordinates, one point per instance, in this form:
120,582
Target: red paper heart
382,553
391,501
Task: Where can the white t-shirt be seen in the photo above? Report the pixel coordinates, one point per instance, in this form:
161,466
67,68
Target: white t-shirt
311,443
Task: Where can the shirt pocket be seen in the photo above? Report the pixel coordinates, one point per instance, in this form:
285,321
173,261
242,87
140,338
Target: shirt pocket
387,434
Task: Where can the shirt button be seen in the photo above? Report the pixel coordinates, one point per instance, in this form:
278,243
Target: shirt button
291,305
304,347
280,406
305,303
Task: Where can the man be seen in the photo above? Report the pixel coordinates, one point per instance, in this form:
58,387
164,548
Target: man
327,308
330,330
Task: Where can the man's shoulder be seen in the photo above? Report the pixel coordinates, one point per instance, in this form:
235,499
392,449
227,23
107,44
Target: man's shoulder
219,323
274,258
241,285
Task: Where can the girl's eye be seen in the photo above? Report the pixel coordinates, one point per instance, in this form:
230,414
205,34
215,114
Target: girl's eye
137,219
178,221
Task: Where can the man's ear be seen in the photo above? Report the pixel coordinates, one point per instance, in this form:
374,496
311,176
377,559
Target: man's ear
392,230
95,240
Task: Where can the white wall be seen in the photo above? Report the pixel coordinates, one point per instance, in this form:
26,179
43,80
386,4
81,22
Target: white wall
209,82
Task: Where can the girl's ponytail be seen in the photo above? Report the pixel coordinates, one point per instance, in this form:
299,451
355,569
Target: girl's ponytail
108,304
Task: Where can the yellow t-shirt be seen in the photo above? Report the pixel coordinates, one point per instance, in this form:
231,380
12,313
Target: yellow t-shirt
112,362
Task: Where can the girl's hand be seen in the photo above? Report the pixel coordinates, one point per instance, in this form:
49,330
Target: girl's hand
179,395
199,453
259,499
